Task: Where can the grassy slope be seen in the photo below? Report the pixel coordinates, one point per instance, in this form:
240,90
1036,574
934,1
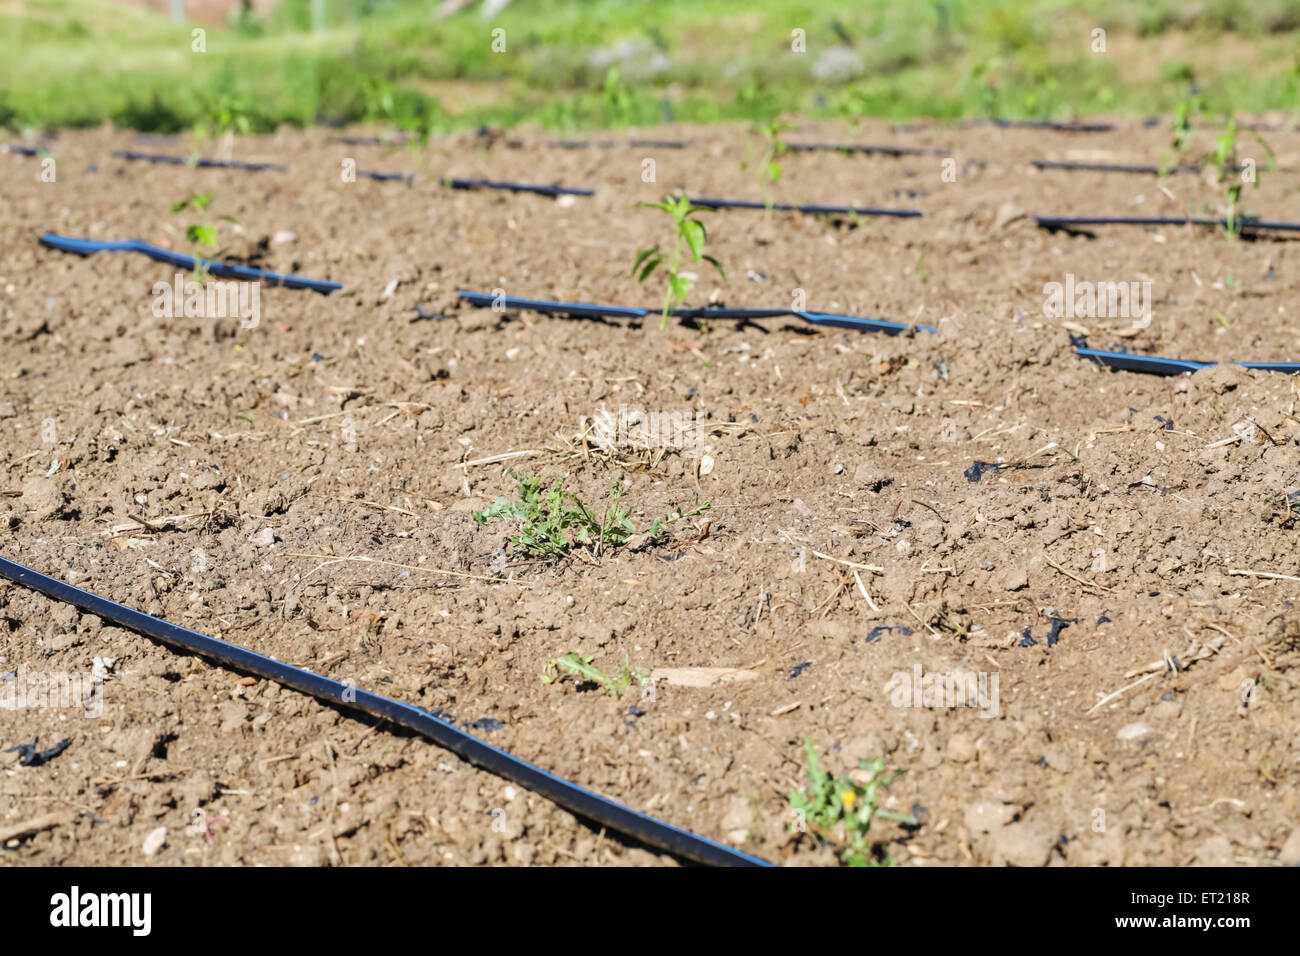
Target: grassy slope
71,62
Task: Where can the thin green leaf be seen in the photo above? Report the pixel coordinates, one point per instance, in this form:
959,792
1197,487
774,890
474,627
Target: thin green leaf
642,256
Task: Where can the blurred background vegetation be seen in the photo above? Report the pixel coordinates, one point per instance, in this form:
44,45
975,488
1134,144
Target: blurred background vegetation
571,64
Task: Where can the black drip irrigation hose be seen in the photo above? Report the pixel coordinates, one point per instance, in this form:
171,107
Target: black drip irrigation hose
1110,167
516,187
387,177
613,144
570,796
1155,365
205,163
371,140
662,143
586,311
865,150
86,247
809,209
1073,127
22,150
1072,222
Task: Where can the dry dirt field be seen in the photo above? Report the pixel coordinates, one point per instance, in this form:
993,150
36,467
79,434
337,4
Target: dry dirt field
228,478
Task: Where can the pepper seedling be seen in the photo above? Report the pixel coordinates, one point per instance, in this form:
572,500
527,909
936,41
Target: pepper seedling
689,231
769,164
203,233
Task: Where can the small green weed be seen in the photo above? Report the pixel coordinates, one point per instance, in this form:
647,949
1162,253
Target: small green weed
658,528
687,230
553,521
576,665
841,811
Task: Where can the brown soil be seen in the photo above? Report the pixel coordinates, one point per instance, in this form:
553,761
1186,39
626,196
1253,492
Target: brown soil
347,426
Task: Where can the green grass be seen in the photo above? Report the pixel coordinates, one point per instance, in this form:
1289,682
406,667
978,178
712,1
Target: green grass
612,63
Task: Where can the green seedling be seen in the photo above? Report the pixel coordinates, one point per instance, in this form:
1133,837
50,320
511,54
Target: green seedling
201,234
576,665
1185,114
227,116
552,521
1224,161
769,164
1233,175
688,231
658,528
840,811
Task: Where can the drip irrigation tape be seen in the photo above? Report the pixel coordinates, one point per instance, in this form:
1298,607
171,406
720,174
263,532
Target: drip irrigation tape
586,311
852,148
27,150
386,177
1043,124
576,799
1068,222
1110,167
662,143
516,187
86,247
370,140
811,210
611,144
1156,365
206,163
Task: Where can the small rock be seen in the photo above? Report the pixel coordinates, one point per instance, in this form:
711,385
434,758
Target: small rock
1135,731
102,667
986,816
706,465
307,856
1232,680
282,236
736,821
61,642
154,841
1024,843
206,480
1007,213
264,538
961,748
1290,852
1013,579
45,496
1060,758
1216,851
